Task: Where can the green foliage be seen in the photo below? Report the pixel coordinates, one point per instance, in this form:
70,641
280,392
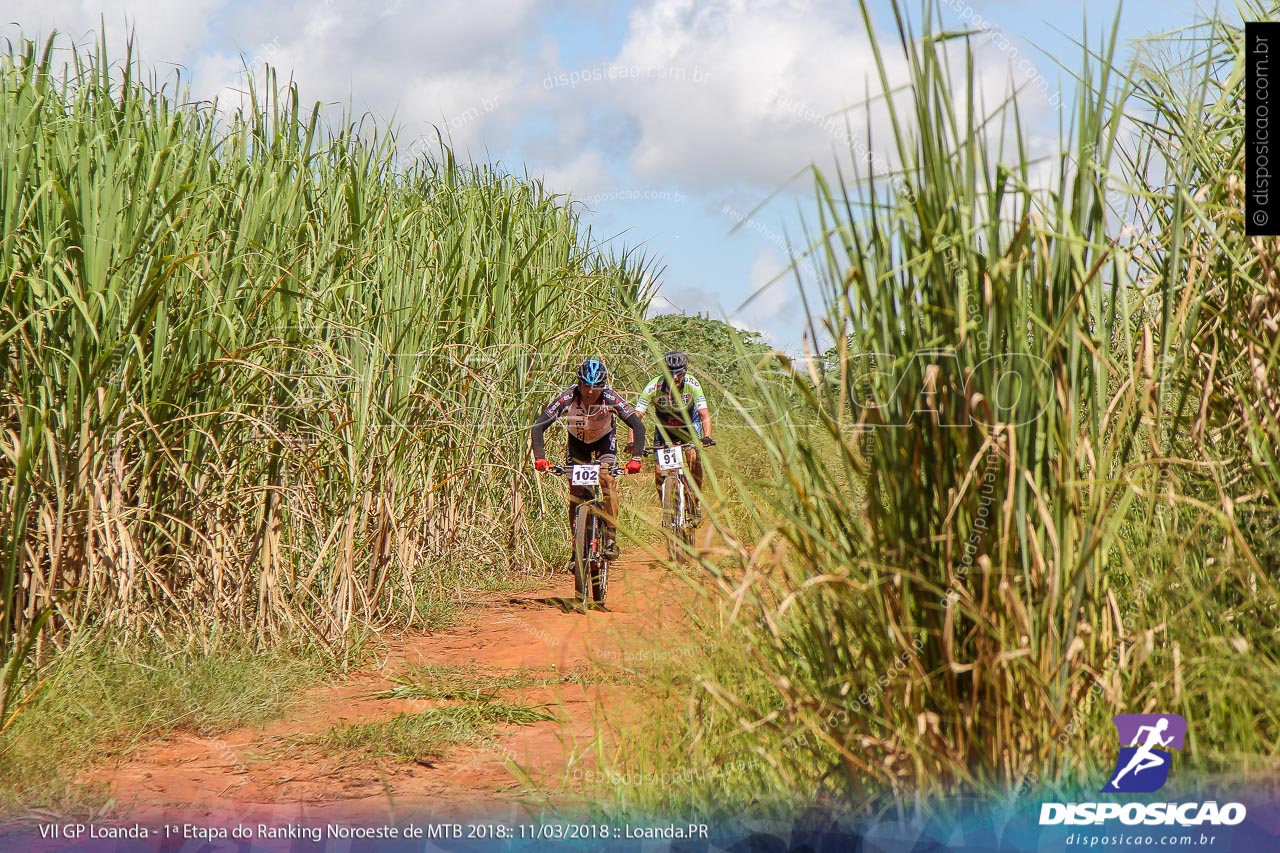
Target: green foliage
1228,345
255,376
716,349
461,683
428,736
990,519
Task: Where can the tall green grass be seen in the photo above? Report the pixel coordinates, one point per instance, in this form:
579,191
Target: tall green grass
1228,278
993,520
258,377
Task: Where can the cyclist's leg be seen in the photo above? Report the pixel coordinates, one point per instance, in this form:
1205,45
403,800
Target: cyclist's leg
695,475
675,435
695,472
688,438
606,450
695,461
609,487
660,439
577,452
692,467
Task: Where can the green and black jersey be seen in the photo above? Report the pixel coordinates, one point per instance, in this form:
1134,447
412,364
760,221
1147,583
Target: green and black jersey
677,407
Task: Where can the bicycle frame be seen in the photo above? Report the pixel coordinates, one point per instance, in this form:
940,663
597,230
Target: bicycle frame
674,493
591,569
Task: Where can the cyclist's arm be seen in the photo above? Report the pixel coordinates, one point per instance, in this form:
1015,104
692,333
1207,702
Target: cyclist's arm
700,406
550,416
539,443
642,406
623,410
636,432
646,397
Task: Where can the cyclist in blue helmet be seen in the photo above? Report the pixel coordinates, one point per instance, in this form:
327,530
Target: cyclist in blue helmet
590,408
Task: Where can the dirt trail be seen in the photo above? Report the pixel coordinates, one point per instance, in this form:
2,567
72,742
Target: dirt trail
262,774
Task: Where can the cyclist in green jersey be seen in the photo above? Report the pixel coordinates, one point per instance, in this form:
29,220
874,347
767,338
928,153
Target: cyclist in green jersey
681,410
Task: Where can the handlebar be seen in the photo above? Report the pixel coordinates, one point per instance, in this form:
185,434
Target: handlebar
564,471
710,442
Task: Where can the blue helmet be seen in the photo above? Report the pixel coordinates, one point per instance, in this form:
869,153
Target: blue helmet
593,373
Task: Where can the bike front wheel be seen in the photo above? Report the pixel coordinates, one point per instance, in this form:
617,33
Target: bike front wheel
685,519
582,541
673,519
600,581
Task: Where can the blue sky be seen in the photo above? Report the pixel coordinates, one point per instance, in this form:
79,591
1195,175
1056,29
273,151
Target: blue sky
671,119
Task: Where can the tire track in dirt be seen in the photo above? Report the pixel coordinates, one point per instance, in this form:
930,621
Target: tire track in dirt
261,774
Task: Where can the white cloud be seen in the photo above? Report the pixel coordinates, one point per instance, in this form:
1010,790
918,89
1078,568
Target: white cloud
775,312
701,96
766,336
730,127
720,93
662,305
583,175
693,299
165,31
458,64
772,286
455,66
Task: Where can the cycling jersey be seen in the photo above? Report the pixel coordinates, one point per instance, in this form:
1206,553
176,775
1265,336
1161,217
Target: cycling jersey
673,408
587,424
664,435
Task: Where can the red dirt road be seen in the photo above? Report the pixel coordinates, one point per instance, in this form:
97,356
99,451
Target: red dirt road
262,774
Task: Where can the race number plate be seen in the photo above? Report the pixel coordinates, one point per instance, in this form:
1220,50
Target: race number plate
670,458
585,475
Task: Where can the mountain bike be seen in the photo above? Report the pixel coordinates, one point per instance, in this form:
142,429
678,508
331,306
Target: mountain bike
590,568
681,513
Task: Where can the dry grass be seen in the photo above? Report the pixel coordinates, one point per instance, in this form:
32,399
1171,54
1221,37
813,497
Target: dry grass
255,378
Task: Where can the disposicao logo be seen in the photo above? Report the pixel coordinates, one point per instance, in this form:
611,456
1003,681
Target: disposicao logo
1145,741
1147,744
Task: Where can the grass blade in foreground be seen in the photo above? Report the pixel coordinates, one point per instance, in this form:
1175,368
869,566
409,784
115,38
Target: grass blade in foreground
994,533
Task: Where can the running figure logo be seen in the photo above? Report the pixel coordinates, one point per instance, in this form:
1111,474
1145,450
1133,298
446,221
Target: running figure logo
1145,741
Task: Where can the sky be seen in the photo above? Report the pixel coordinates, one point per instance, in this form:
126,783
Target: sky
685,127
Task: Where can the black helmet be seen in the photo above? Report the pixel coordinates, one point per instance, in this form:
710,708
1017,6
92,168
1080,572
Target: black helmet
676,361
593,373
